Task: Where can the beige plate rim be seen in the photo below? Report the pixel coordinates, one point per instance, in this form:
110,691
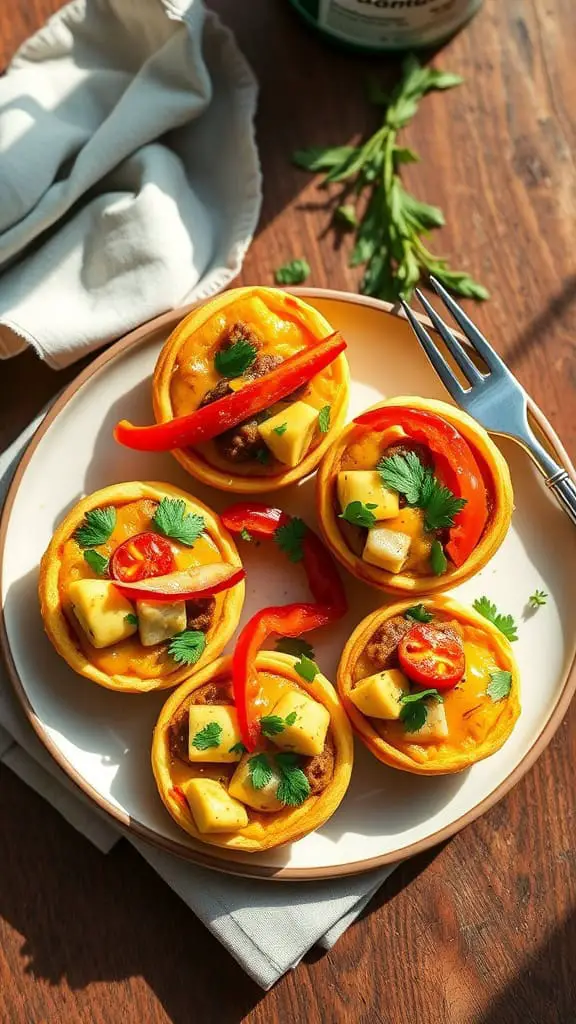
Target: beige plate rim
226,861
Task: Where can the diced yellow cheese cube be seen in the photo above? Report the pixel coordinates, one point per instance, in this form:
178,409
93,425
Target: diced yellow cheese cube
221,723
307,734
388,549
212,807
435,727
160,620
288,433
241,787
378,696
102,611
365,485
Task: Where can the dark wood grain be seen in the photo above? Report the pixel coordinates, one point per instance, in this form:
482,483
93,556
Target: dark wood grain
482,931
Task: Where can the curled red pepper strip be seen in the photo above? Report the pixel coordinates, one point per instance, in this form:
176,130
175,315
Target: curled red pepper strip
286,620
456,466
211,420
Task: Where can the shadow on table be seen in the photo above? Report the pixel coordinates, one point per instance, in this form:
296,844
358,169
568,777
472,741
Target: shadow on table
544,991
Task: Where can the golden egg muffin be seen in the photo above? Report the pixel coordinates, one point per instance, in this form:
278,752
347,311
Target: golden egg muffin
236,339
132,532
289,786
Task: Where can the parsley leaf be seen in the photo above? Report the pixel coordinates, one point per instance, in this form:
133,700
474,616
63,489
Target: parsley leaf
289,538
238,748
440,505
414,711
97,562
407,475
245,535
505,623
324,419
263,456
187,648
293,788
259,770
131,618
359,514
412,698
273,725
538,598
346,216
172,519
236,359
419,613
500,684
294,272
414,716
96,528
391,237
208,737
403,473
438,560
280,429
307,668
295,646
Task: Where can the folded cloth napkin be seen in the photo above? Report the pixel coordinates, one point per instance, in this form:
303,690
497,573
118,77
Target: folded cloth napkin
266,926
129,176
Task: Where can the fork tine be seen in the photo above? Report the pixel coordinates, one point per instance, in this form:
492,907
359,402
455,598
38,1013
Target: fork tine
470,371
444,371
476,339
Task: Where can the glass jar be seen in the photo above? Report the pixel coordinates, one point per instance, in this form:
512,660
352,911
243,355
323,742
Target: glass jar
383,25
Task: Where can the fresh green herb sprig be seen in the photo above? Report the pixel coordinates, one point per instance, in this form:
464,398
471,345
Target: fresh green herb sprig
536,600
238,748
293,786
407,475
96,527
294,272
172,520
97,562
208,737
389,236
414,710
246,535
236,359
419,613
131,619
324,419
500,684
505,623
186,648
306,668
273,725
290,537
359,513
280,429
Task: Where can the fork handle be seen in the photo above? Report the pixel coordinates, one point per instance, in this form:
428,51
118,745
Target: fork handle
564,489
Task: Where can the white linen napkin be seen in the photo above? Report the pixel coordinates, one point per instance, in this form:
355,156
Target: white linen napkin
129,175
266,926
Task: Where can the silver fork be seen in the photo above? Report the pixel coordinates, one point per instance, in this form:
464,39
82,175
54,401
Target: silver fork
496,399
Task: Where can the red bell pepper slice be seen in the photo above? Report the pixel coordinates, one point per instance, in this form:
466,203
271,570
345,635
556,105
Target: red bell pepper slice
287,620
227,412
187,585
455,464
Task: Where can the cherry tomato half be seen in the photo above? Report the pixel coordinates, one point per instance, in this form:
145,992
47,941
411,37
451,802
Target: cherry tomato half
142,556
432,656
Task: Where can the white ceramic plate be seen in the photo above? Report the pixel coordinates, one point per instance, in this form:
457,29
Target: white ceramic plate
102,738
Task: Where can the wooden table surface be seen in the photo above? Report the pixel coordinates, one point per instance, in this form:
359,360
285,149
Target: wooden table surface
482,929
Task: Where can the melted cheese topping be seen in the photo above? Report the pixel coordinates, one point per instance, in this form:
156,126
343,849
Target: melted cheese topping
280,334
129,657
